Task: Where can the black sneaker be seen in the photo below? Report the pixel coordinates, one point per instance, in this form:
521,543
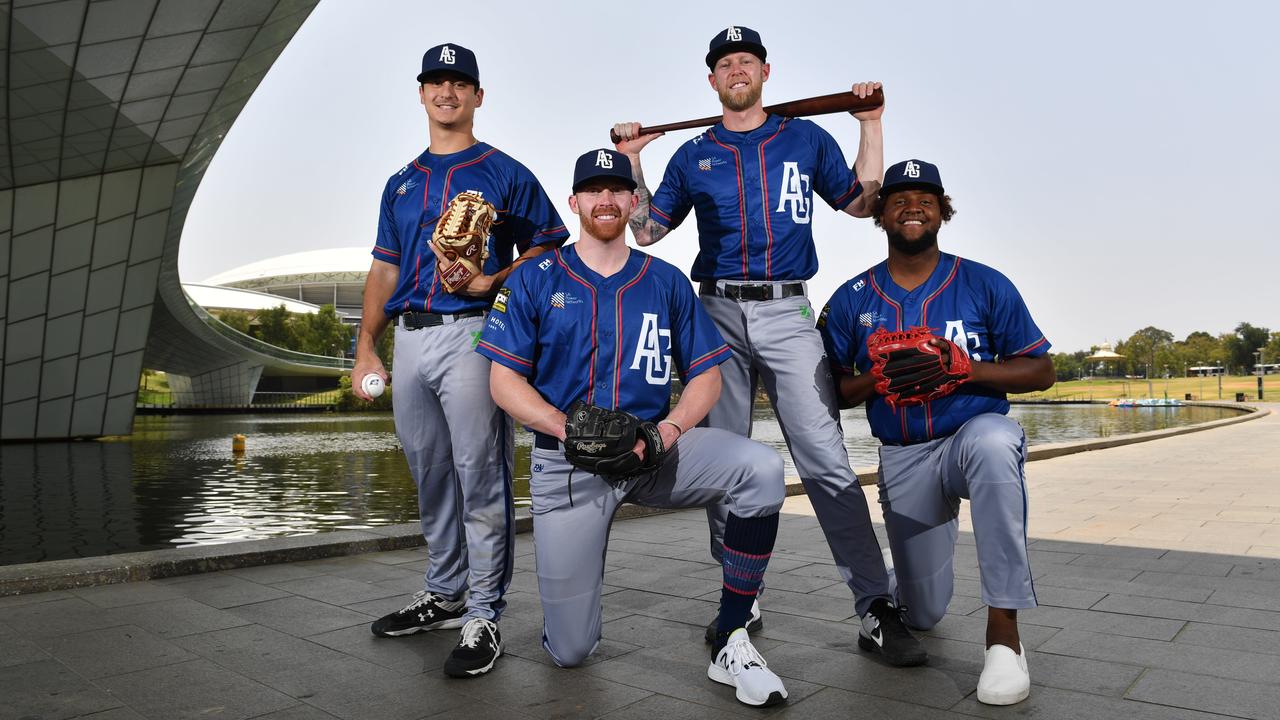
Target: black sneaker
477,651
427,611
754,624
883,631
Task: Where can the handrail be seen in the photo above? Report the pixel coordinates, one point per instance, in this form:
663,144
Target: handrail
266,348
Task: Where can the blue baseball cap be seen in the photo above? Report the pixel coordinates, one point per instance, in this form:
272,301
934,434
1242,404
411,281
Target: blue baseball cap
602,163
450,58
911,175
734,38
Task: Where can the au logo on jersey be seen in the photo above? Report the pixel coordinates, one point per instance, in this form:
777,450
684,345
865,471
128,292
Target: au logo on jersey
500,300
650,351
794,193
955,332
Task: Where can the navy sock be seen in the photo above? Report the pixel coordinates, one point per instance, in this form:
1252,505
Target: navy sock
748,544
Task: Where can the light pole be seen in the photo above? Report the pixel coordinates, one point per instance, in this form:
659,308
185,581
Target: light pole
1260,369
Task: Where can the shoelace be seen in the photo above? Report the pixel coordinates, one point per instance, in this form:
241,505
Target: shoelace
472,631
743,655
420,598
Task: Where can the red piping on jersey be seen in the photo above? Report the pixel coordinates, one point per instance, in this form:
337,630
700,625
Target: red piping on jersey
924,307
383,251
764,194
617,327
591,376
902,414
852,193
1030,347
742,201
499,351
444,196
661,215
706,356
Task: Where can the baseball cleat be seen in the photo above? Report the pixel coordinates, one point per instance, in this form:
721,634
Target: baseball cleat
477,650
739,664
427,611
883,631
754,625
1005,679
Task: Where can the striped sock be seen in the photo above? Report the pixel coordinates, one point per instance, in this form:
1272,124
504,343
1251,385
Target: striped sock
748,544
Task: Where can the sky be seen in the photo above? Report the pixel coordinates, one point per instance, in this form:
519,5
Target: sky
1118,161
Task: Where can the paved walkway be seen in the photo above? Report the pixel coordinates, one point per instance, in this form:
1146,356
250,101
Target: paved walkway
1157,568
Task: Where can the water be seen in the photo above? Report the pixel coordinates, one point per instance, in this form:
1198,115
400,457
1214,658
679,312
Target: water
175,482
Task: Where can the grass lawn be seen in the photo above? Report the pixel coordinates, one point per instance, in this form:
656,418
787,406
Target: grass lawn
1205,388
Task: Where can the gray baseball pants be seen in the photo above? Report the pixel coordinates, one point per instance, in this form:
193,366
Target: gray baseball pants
921,487
572,511
460,448
776,342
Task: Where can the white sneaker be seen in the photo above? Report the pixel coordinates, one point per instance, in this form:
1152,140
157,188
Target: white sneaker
740,665
1005,679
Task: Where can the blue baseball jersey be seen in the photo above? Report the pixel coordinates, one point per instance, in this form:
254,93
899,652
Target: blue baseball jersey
609,341
752,194
966,302
414,200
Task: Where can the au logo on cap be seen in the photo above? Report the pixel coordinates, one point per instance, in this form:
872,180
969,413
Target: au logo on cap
733,34
911,170
604,160
447,56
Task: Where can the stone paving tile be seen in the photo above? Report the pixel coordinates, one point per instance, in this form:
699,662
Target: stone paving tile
1137,588
175,618
297,712
1068,546
1102,622
925,685
1059,671
659,583
16,650
1053,704
480,711
400,557
973,629
1235,598
337,590
357,568
124,713
1216,614
124,594
58,617
48,690
352,688
224,590
680,671
668,708
1161,564
543,691
522,637
257,652
1230,638
837,704
1209,694
664,565
408,654
805,604
267,574
194,689
1230,664
300,616
12,601
113,651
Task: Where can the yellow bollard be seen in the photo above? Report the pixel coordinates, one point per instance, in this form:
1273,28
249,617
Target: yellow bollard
237,444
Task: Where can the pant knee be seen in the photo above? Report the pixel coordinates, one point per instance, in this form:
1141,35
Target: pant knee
922,617
568,654
764,485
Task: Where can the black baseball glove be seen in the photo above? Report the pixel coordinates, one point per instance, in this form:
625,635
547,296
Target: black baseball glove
600,441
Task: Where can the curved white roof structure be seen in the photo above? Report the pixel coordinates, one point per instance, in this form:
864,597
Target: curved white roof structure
333,264
212,297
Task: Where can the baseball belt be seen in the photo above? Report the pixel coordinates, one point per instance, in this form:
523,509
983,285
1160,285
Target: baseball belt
417,320
749,291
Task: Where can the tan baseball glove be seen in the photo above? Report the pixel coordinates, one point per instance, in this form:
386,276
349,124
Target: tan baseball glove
461,239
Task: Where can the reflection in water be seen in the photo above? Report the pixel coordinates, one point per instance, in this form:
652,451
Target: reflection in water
175,482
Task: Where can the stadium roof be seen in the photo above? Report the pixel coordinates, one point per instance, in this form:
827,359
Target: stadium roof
333,264
225,298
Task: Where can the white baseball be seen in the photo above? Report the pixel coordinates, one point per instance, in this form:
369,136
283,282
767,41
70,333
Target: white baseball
372,385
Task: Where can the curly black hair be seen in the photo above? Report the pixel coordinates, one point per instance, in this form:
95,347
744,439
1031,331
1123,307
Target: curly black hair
877,208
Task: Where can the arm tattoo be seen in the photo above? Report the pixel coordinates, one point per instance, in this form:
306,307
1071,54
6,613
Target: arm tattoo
643,227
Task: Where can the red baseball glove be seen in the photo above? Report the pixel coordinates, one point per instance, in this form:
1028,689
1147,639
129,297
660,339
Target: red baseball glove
911,370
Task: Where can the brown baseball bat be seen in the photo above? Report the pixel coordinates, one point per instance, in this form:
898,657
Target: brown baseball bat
820,105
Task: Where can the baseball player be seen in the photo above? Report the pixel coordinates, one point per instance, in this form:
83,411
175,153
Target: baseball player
948,445
750,180
458,443
604,324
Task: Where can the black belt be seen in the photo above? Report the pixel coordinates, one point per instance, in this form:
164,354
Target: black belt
543,441
418,320
752,291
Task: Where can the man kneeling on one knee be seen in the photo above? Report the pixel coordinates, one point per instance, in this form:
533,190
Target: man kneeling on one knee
583,344
931,343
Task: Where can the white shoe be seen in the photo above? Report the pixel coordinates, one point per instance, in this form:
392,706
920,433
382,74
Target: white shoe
1004,679
740,665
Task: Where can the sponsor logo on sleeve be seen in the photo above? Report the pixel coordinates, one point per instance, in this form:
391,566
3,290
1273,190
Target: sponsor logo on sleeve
500,300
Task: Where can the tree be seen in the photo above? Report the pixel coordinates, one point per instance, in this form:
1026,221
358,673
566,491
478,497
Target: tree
1272,353
275,328
1249,339
1142,348
1069,366
322,333
237,320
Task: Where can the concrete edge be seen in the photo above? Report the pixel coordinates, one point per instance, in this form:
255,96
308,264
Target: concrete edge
156,564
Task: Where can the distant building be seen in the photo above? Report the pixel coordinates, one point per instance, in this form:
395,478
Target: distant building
320,277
